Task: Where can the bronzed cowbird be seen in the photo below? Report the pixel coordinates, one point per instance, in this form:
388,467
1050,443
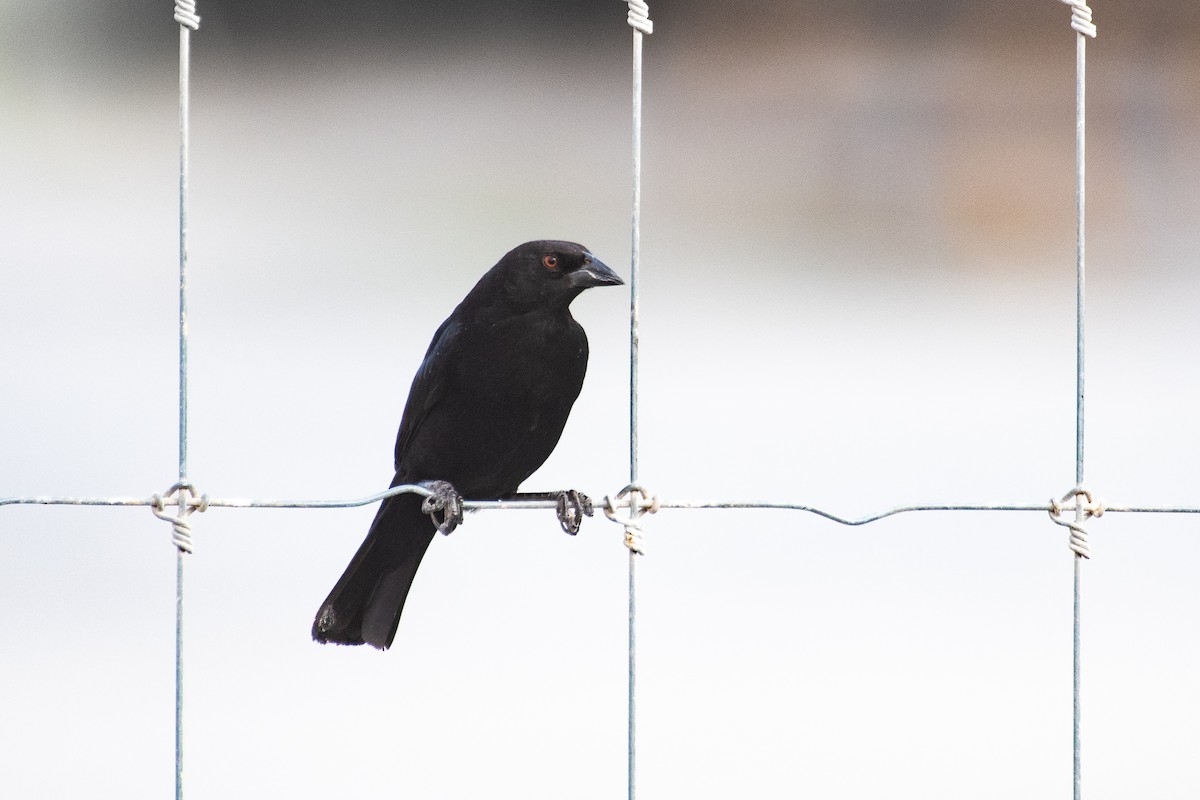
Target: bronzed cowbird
486,408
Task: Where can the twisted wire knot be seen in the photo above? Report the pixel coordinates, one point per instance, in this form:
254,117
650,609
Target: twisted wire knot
1088,506
639,16
1081,18
184,495
185,14
640,503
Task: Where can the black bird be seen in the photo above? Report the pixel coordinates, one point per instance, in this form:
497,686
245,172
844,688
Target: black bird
486,408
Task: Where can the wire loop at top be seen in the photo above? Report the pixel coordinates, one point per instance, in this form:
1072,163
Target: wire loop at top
1081,17
185,14
639,16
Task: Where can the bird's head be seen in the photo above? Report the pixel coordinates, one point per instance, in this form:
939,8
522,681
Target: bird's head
550,273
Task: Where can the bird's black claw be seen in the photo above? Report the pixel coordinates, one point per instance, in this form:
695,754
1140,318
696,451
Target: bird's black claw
573,506
445,501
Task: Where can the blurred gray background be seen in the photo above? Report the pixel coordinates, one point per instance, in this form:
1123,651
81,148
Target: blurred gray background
858,291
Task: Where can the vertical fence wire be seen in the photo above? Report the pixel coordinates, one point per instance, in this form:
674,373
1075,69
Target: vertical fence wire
1081,23
184,59
634,258
639,20
185,15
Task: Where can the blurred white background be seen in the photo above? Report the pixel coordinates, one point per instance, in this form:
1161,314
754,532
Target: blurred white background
858,291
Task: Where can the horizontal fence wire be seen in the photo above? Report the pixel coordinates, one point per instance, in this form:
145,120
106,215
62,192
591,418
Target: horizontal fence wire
204,502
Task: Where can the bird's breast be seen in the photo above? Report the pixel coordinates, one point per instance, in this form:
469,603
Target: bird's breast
528,361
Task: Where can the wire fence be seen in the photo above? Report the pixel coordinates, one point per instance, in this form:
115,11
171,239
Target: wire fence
630,505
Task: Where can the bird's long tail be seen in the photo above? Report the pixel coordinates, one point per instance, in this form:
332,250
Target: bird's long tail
364,607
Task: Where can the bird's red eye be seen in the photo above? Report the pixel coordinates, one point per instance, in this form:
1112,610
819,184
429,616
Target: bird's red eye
550,261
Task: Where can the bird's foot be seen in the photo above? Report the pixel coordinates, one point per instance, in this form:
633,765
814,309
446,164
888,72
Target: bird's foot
446,502
572,507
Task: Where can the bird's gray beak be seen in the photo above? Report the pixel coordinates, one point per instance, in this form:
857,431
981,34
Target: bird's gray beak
594,272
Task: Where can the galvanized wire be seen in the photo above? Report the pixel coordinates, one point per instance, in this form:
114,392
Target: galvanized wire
185,15
618,502
639,19
1081,23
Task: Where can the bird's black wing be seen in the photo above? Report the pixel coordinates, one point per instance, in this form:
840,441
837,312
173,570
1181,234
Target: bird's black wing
428,387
